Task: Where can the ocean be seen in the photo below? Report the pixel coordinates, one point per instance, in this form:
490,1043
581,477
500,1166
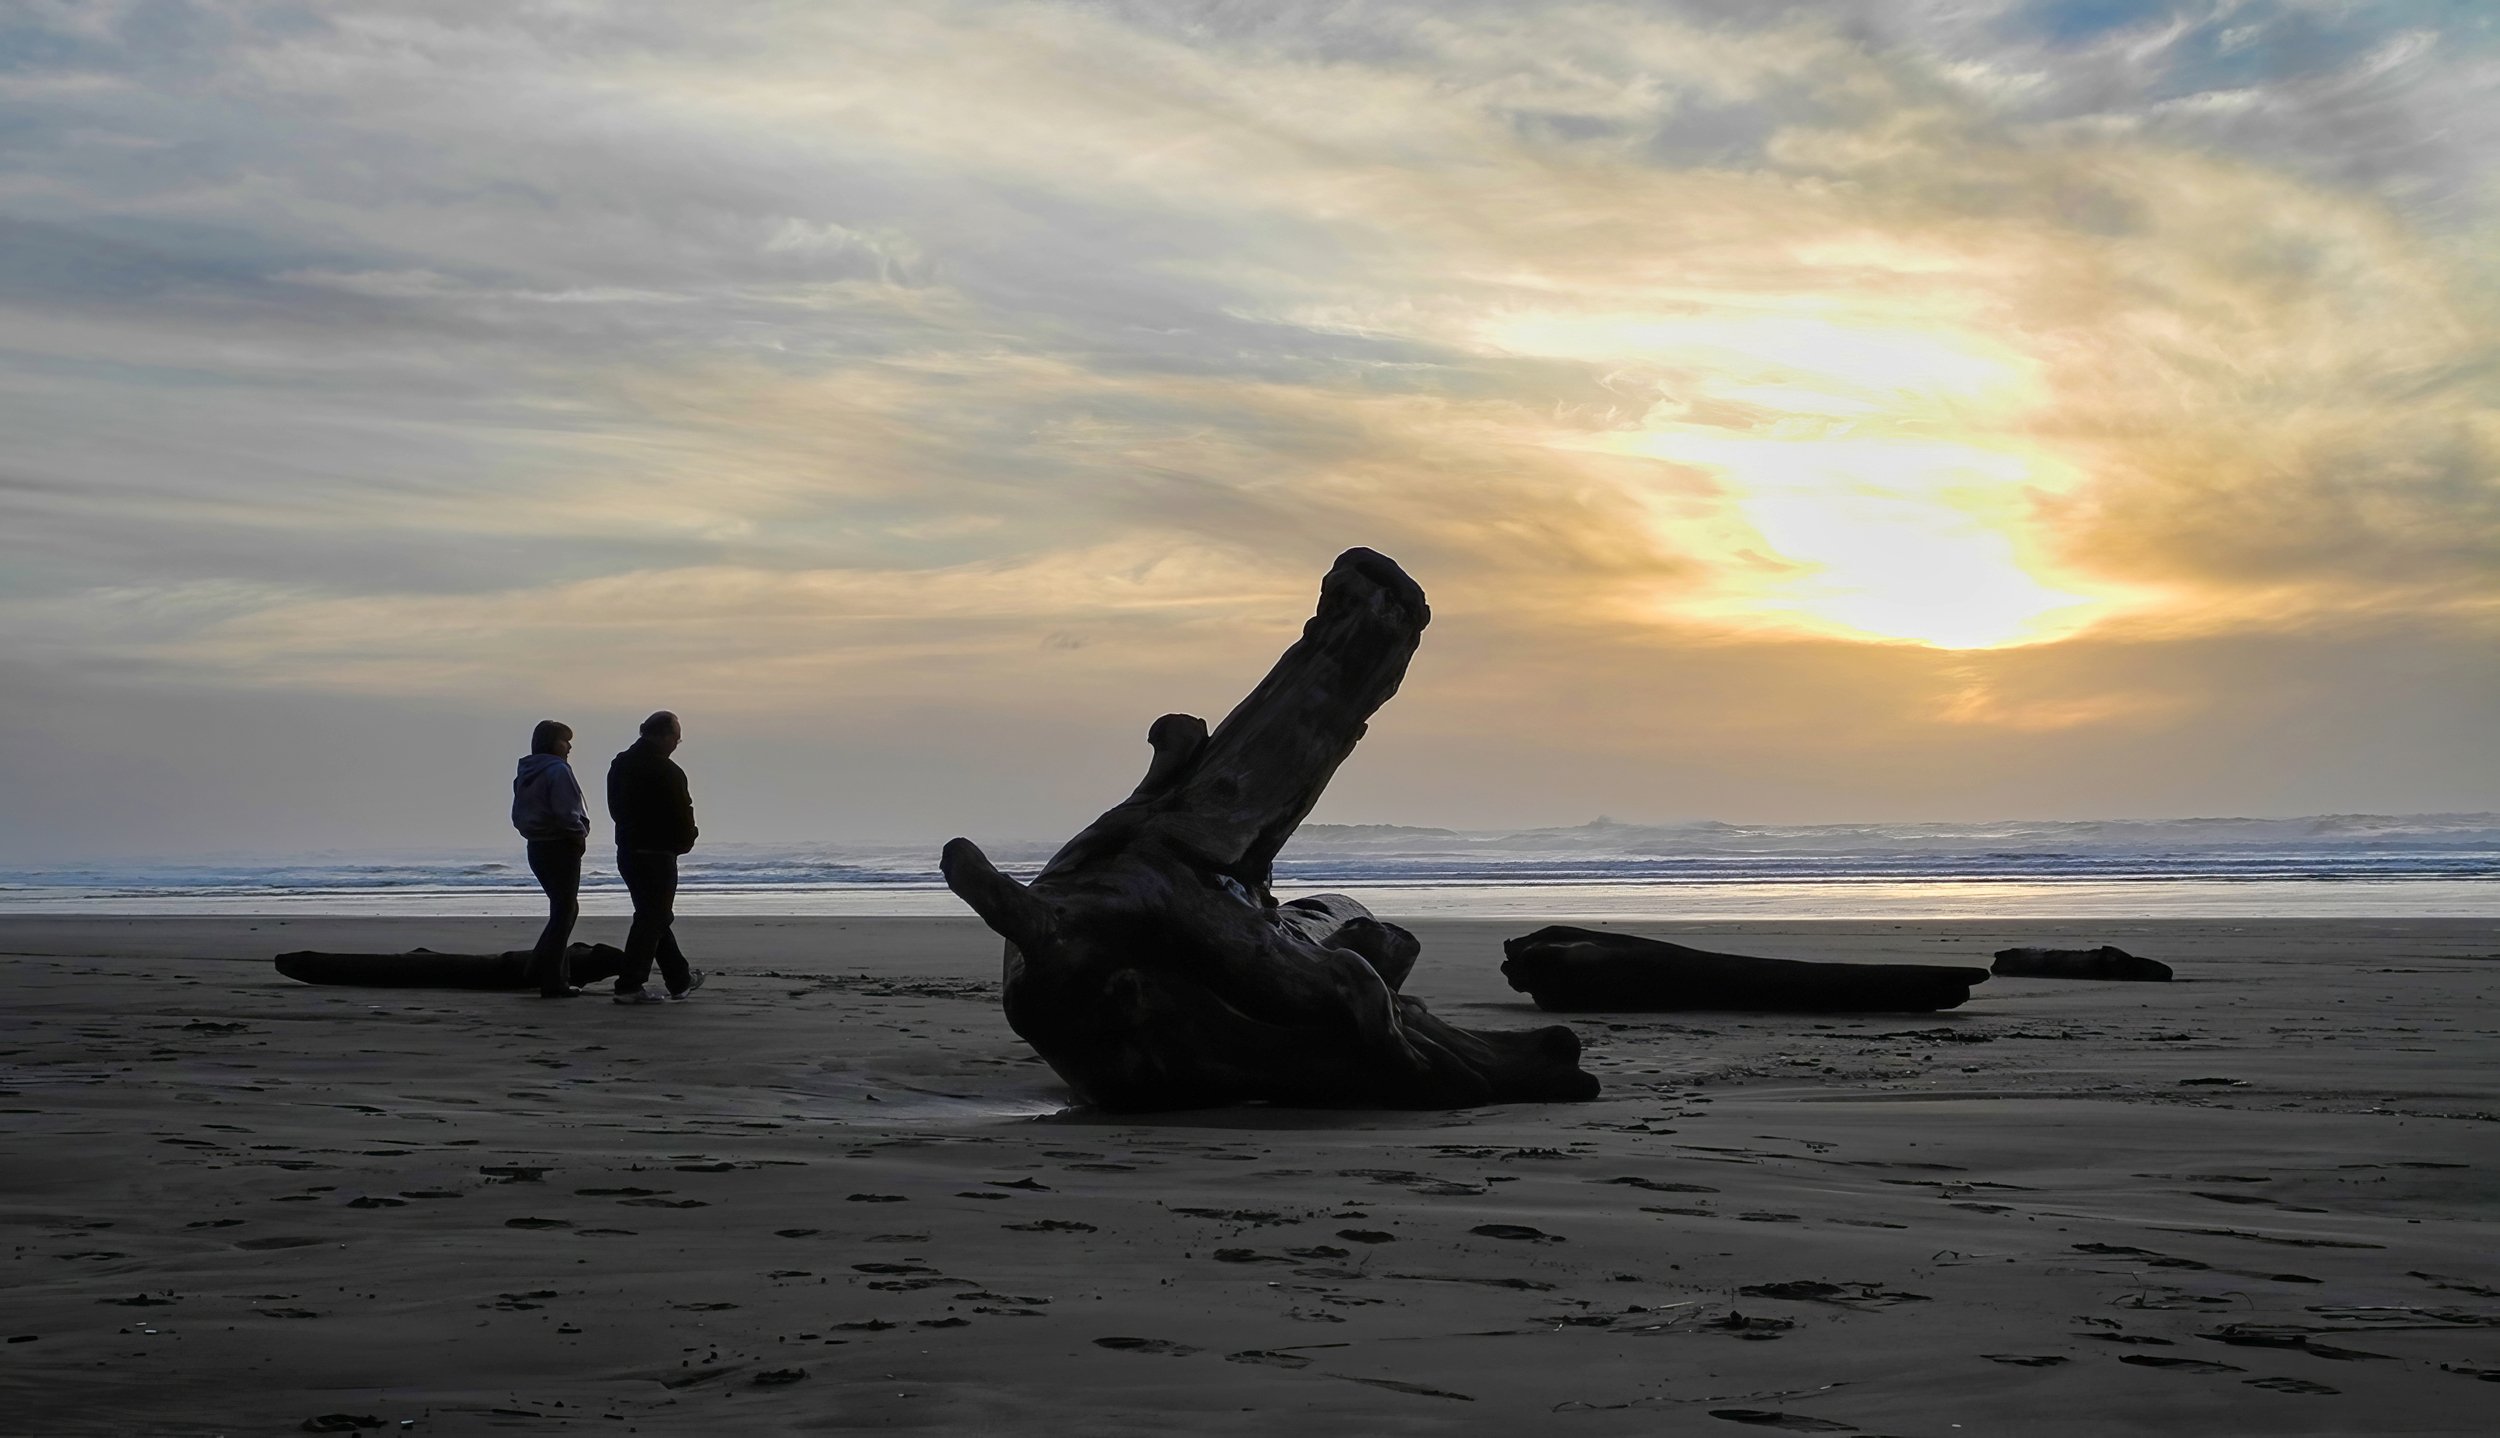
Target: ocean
2321,866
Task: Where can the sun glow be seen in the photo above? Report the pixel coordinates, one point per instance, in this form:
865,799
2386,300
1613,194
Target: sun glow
1890,539
1872,478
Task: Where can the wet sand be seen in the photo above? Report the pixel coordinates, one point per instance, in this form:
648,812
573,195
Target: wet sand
835,1192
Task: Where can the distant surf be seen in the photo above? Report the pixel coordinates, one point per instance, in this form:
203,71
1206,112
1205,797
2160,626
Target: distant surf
2337,865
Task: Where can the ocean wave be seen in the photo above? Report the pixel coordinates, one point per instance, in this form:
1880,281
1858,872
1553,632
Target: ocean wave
2321,849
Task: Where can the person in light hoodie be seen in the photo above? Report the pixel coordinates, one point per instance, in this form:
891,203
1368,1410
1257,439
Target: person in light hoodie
547,809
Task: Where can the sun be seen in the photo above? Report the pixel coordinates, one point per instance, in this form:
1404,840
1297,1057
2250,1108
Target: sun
1925,541
1873,476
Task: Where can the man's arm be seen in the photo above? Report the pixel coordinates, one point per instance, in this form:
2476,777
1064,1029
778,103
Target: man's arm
685,809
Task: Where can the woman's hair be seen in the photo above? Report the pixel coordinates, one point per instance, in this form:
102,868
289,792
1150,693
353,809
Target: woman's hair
548,734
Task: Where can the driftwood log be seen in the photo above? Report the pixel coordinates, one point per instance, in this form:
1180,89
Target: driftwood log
1570,970
2106,962
1151,967
426,969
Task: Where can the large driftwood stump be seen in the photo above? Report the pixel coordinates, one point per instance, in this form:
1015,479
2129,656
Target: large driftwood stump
1573,970
1150,966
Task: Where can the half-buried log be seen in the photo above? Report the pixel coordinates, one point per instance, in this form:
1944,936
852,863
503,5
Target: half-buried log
1568,970
1151,967
426,969
2105,962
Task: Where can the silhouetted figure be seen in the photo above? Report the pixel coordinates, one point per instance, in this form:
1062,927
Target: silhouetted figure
654,824
547,809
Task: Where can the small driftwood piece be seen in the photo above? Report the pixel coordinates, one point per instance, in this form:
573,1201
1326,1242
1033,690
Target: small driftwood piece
1151,967
426,969
2106,962
1569,970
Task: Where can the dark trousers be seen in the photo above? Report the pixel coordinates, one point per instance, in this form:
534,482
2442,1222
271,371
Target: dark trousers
558,865
652,880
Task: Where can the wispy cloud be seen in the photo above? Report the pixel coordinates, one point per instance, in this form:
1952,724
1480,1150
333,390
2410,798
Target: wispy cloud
844,356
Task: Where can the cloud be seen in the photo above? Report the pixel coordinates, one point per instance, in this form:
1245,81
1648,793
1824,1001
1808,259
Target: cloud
845,357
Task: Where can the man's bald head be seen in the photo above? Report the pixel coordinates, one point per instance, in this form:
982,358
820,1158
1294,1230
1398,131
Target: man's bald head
663,730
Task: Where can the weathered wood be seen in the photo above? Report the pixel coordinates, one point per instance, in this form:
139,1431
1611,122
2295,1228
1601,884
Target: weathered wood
426,969
2106,962
1570,970
1151,967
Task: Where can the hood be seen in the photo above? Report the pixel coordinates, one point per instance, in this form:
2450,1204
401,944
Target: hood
533,765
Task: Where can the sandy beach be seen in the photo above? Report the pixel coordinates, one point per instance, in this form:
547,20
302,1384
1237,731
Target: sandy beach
835,1192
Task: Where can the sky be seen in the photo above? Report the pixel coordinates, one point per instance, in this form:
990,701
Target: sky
1795,412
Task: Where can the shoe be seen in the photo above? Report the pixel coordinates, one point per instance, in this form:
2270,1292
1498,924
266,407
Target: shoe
568,993
694,981
638,996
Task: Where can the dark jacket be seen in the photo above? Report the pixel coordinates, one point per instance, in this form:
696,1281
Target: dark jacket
546,801
647,797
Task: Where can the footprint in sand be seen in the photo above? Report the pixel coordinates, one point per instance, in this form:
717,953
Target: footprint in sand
1163,1346
2027,1360
2181,1365
2251,1335
1749,1326
2290,1385
1808,1290
2148,1257
1269,1358
1049,1225
1366,1235
1517,1232
1658,1186
1255,1216
1395,1386
1792,1422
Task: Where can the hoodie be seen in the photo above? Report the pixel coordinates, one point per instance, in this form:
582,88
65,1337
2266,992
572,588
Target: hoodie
647,798
547,800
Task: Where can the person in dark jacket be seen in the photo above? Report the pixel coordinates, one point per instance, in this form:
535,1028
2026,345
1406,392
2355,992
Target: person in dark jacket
654,824
547,809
